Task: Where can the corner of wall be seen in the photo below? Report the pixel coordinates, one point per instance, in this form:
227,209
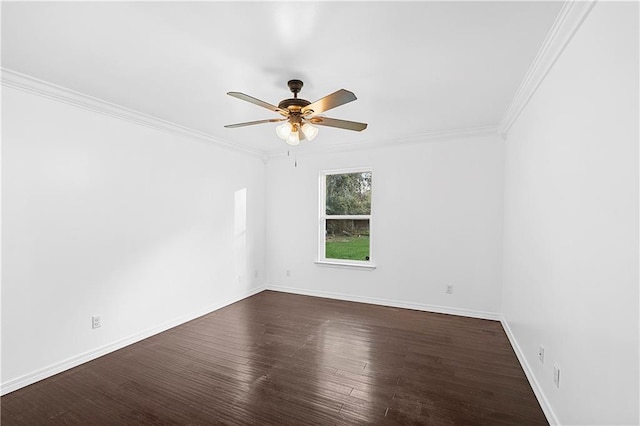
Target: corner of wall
537,389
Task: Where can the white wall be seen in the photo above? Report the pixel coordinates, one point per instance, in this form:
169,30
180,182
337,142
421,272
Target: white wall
571,223
437,220
102,216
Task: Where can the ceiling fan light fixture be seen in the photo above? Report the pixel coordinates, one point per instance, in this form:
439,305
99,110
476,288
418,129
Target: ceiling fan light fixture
284,130
309,131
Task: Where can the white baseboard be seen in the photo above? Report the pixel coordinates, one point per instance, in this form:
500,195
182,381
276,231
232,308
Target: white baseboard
28,379
389,302
537,390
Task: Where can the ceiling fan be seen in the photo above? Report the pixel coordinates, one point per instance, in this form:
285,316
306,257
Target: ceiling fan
299,115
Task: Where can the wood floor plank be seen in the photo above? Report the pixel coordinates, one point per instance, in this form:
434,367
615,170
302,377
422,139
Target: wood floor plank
280,359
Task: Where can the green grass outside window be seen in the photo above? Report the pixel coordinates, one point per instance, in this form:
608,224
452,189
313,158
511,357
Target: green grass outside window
351,248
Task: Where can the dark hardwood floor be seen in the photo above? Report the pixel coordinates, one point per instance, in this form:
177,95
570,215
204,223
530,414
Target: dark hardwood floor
279,359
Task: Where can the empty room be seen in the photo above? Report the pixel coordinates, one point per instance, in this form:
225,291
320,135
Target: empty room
320,213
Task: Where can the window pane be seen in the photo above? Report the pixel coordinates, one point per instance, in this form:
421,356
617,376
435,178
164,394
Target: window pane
349,193
347,239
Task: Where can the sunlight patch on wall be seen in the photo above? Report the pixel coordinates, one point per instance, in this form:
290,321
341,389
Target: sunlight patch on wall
240,235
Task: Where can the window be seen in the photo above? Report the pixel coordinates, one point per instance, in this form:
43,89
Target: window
345,217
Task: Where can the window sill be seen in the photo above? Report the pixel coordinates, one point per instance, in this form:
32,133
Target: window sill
347,265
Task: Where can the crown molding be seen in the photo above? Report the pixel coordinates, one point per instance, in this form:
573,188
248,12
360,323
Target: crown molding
26,83
568,21
392,141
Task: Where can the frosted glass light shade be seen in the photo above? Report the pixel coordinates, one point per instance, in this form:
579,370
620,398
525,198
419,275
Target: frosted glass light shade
284,130
309,131
293,138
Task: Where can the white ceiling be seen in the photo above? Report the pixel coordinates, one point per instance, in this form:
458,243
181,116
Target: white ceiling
416,67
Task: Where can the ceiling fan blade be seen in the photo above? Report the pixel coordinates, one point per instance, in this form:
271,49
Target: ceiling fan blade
333,100
341,124
251,123
258,102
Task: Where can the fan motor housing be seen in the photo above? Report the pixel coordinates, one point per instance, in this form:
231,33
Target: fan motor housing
293,104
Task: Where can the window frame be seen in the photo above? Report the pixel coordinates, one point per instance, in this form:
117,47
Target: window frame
323,217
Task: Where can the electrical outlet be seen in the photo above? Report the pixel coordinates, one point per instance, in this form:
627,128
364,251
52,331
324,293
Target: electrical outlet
288,272
256,274
449,289
556,375
541,354
96,321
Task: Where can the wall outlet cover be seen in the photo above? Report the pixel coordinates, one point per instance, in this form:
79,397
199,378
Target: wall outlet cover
96,321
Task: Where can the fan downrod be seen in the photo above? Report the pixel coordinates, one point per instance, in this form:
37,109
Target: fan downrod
295,104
